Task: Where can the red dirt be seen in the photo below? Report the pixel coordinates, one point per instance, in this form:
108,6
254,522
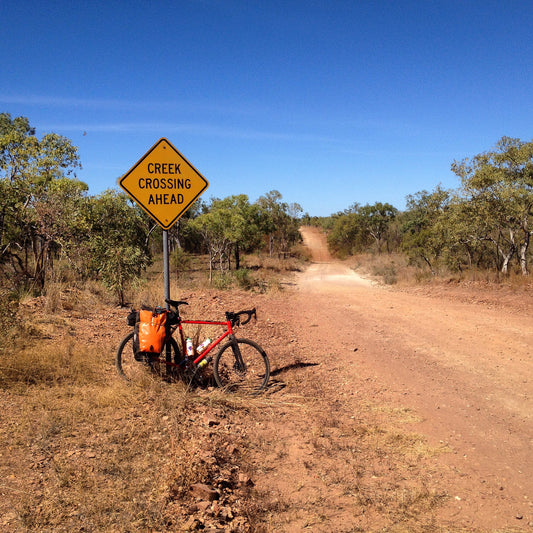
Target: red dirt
459,360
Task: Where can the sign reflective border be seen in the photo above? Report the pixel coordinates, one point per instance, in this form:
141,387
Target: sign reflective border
164,183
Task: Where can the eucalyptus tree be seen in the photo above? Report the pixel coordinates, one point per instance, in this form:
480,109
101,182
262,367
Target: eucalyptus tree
227,227
377,221
117,240
281,222
355,229
33,182
421,237
348,234
500,182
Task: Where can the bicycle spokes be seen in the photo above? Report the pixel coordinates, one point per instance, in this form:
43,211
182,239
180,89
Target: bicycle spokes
241,365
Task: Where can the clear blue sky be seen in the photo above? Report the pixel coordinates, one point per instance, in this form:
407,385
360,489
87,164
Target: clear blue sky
329,102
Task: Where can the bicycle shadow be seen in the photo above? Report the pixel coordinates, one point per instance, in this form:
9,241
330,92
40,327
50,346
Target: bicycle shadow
292,366
275,385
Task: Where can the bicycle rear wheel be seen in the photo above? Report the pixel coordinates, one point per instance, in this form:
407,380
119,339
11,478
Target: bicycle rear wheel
241,365
132,370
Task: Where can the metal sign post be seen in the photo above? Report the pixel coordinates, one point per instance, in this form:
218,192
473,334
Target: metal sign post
165,185
166,267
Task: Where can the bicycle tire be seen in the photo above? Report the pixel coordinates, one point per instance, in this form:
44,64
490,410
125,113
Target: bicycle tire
241,365
132,370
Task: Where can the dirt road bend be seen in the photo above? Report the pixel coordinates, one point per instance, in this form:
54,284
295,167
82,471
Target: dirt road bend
459,364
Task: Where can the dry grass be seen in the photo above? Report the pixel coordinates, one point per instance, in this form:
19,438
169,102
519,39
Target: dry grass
48,364
90,452
392,269
258,273
82,450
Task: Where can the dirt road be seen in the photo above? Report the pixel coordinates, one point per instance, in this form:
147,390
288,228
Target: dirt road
458,364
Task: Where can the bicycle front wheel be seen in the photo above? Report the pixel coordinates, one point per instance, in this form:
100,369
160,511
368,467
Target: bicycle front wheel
133,370
242,365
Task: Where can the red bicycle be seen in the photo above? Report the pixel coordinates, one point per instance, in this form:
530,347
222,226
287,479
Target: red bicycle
239,365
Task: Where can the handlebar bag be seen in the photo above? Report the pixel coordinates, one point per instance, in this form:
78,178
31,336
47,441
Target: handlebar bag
151,330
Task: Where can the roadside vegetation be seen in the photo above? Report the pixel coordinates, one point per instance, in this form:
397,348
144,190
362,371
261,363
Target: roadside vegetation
481,230
52,230
84,450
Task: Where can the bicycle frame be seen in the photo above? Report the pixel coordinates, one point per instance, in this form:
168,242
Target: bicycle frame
227,333
200,357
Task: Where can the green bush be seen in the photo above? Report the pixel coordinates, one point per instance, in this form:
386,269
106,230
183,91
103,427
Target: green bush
180,261
244,279
387,273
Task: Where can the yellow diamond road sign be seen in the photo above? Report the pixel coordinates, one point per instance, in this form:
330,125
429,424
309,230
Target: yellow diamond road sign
164,183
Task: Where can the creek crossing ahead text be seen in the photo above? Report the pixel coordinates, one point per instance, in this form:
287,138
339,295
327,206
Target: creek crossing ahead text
164,183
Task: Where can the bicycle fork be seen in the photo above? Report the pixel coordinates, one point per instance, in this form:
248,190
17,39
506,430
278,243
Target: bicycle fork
239,365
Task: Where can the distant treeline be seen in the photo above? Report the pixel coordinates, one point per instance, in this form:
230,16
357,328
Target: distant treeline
485,224
52,229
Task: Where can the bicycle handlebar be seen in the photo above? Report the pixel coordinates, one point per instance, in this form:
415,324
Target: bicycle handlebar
176,303
235,318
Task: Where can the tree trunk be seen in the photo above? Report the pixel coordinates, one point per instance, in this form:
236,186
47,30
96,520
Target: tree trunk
429,265
523,254
507,258
237,257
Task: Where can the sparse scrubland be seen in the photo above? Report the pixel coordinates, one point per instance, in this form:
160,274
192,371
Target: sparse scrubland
329,446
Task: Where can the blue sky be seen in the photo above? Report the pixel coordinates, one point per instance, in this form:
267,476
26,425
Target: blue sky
328,102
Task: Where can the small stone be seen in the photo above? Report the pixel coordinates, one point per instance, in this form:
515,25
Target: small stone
192,524
245,481
203,506
211,422
204,492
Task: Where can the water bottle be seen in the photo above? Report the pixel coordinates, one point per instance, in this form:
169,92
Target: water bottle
203,346
205,362
189,347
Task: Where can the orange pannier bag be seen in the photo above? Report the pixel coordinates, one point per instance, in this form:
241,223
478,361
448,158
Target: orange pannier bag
152,330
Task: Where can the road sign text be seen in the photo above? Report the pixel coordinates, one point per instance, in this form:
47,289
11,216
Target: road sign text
164,183
164,168
165,199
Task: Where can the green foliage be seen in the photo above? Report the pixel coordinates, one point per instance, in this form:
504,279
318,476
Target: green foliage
485,224
118,241
231,226
421,237
348,235
50,228
46,216
358,227
180,260
377,220
36,199
245,279
280,221
500,184
119,265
